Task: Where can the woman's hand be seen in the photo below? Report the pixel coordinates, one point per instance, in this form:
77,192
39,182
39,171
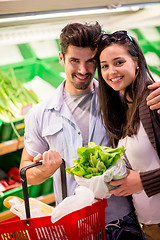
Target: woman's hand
128,185
153,99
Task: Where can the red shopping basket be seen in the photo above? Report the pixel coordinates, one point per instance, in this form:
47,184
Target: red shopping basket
85,224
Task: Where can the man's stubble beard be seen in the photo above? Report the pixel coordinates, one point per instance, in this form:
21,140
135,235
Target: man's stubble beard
82,85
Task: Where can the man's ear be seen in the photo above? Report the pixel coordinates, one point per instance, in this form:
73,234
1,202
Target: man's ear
61,58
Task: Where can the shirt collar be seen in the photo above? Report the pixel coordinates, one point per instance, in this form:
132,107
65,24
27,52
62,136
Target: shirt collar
56,100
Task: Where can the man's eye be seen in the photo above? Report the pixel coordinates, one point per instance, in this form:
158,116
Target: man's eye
75,60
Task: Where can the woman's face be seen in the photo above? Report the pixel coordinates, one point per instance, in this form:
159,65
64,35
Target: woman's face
117,67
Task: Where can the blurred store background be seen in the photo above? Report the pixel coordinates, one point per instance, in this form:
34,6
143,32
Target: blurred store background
29,45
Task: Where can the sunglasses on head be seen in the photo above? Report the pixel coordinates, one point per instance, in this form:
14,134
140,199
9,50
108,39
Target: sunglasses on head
118,35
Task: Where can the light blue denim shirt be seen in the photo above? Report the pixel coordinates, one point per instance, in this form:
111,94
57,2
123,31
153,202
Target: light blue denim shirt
50,125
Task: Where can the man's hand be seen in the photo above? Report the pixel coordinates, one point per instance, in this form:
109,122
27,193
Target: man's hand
51,162
128,185
153,99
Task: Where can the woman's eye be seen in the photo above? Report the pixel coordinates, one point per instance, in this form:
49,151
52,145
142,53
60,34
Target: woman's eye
119,62
104,66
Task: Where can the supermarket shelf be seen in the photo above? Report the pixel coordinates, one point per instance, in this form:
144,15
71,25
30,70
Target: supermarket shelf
48,199
11,146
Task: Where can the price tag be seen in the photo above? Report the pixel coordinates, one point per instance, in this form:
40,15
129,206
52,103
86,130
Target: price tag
26,108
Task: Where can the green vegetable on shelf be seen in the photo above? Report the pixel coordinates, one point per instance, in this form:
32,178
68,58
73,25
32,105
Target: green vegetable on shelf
94,160
13,96
15,99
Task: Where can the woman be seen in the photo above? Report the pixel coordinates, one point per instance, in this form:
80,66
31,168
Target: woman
123,80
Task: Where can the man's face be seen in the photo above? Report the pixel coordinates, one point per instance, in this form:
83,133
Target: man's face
80,68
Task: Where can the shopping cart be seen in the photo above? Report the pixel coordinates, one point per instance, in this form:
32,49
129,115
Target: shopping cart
85,224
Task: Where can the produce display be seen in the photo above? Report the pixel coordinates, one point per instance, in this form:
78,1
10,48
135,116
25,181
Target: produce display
14,96
94,160
8,184
10,180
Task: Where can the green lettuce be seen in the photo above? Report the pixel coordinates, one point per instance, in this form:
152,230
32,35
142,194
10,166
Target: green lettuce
94,160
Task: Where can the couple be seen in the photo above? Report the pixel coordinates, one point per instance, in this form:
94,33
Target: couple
71,118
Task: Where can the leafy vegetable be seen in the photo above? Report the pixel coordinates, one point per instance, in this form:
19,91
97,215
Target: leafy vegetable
94,160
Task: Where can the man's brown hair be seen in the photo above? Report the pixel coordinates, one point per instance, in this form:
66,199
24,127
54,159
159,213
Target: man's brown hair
80,35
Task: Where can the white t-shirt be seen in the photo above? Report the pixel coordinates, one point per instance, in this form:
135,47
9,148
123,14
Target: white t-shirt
143,157
79,105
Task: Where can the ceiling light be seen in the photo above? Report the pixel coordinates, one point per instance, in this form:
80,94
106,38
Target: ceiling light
62,14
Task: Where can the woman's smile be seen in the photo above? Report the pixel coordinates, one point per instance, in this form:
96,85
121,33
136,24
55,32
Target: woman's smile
116,79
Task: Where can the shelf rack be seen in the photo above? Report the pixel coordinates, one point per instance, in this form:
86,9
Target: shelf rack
12,145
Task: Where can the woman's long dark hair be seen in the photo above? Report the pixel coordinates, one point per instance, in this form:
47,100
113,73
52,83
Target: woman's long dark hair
114,107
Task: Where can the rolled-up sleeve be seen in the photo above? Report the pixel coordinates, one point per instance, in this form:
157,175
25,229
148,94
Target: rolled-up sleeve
33,140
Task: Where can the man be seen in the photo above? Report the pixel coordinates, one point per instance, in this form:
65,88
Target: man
69,119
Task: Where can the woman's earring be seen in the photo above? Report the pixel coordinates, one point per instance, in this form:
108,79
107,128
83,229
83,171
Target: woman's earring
137,71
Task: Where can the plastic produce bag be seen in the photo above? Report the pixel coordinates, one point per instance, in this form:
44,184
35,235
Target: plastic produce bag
100,184
37,208
96,184
115,172
83,197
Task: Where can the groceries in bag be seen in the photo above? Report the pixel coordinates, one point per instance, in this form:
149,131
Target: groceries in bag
37,208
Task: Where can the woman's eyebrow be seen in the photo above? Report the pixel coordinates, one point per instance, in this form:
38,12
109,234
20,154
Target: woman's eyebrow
116,58
103,61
